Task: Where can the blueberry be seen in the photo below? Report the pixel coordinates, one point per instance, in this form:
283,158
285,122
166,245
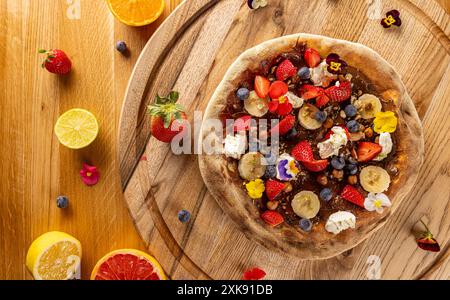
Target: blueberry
62,202
292,134
350,111
121,46
353,126
304,73
338,162
271,171
243,93
352,169
305,224
184,216
321,116
326,194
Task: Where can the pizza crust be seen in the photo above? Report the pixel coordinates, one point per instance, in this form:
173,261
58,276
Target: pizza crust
223,181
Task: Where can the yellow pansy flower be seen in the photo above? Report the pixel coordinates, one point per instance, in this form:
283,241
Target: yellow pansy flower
255,188
385,122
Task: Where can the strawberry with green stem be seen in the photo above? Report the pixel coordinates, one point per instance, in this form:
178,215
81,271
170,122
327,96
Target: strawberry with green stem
427,241
168,118
56,62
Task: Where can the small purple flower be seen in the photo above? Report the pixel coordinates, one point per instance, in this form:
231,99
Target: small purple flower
335,64
392,18
287,168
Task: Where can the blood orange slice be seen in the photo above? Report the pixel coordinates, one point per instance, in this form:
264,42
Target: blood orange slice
128,264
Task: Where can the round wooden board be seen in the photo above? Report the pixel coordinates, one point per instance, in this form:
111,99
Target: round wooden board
191,52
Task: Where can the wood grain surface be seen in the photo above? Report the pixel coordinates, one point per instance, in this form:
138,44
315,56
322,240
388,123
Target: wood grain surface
36,169
202,38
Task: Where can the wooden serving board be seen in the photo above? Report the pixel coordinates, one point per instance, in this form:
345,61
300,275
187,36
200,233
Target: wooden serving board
191,52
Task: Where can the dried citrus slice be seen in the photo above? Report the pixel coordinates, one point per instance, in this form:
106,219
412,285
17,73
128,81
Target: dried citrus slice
76,128
136,12
54,256
128,264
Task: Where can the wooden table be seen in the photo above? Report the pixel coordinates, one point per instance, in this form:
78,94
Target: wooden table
35,168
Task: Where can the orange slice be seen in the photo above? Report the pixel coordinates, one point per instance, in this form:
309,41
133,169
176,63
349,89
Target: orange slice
136,12
128,264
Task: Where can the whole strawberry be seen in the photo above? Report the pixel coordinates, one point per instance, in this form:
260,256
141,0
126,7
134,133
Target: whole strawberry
167,118
57,62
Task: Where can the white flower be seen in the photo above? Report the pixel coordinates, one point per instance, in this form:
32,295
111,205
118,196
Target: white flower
376,202
386,144
331,146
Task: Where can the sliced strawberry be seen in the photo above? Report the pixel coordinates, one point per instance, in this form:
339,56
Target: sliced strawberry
316,165
262,86
284,126
243,123
352,195
274,188
272,218
303,152
329,133
368,151
286,70
340,93
278,89
322,100
310,92
312,57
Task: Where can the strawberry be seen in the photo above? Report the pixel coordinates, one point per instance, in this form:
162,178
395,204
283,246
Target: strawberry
272,218
322,100
312,57
57,62
285,70
340,93
254,274
278,89
284,126
368,151
242,124
303,152
262,86
274,188
310,92
165,115
316,165
352,195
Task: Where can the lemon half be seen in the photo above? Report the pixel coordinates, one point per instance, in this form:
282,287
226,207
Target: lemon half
76,128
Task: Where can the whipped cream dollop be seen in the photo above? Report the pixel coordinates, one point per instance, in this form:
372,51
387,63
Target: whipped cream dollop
287,168
295,100
386,144
331,146
320,73
340,221
235,146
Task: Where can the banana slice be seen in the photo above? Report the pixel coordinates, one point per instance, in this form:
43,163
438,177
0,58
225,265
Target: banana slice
368,106
252,166
256,106
306,204
306,117
374,179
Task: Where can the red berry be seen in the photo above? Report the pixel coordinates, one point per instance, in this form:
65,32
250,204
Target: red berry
278,89
315,165
322,100
274,188
340,93
272,218
262,86
352,195
284,126
57,62
286,70
310,92
303,152
368,151
312,57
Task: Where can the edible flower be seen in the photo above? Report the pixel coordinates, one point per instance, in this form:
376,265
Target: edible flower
376,202
281,107
287,168
392,18
427,241
89,175
254,274
335,64
385,122
255,4
255,188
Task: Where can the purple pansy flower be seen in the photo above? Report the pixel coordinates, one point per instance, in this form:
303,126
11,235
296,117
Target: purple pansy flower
392,18
335,64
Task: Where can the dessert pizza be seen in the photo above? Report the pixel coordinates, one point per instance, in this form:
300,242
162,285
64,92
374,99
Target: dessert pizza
343,144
